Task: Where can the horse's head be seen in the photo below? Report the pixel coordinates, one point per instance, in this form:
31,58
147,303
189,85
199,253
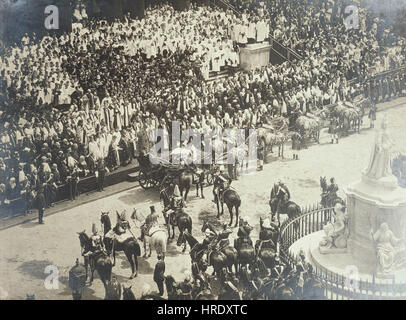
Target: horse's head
84,239
104,218
181,239
323,183
128,293
170,282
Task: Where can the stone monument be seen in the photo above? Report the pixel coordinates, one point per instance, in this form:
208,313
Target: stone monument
371,233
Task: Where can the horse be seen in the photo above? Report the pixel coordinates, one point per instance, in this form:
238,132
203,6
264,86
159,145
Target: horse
130,246
172,288
266,249
128,293
113,290
185,182
230,252
245,250
184,222
232,200
102,262
216,259
290,208
157,239
326,200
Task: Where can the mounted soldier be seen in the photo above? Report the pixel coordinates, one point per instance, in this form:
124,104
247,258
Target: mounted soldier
221,183
122,223
243,233
96,248
176,204
151,221
222,237
332,192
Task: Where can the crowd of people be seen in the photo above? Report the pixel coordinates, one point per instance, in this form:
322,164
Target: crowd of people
85,102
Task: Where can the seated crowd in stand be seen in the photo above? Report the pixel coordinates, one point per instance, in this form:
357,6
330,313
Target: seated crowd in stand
95,94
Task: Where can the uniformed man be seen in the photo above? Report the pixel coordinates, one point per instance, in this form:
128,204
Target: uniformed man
186,288
177,204
221,183
222,237
159,274
97,245
244,231
332,191
333,130
372,116
283,193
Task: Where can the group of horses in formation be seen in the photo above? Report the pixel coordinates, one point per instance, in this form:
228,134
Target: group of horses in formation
242,264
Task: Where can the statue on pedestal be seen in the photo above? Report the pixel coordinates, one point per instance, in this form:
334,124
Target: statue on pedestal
390,253
336,232
381,157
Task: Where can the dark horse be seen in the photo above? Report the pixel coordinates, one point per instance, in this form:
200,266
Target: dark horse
102,262
280,206
183,220
230,252
232,200
266,248
326,200
128,293
130,247
246,252
216,259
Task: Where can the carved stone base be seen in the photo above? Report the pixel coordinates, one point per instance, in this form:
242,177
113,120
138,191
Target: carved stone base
333,250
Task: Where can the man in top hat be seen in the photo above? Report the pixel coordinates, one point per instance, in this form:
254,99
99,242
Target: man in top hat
221,183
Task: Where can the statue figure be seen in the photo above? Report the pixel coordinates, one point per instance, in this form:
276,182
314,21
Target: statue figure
381,157
387,249
336,232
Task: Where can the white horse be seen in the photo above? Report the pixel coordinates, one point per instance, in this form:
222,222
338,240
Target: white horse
156,237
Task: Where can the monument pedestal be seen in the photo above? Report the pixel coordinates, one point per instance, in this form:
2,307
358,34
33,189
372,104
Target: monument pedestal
370,203
255,56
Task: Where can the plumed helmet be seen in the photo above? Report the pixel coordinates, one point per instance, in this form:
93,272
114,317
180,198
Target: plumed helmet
176,191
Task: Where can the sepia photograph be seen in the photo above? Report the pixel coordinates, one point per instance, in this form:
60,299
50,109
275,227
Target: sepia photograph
202,150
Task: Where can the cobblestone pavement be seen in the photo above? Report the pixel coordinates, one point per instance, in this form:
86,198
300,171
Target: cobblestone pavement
27,249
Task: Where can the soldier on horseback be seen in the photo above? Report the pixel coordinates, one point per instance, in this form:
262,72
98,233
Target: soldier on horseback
150,221
122,223
277,272
222,237
243,232
332,191
221,183
176,204
96,248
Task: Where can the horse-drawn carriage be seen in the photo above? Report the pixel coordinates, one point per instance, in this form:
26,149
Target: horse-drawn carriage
349,114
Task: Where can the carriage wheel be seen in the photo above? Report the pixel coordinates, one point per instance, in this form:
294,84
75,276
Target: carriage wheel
210,178
144,180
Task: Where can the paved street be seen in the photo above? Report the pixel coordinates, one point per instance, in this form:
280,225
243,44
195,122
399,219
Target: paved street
26,249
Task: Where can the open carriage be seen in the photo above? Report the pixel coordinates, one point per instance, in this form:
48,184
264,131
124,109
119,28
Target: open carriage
150,174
